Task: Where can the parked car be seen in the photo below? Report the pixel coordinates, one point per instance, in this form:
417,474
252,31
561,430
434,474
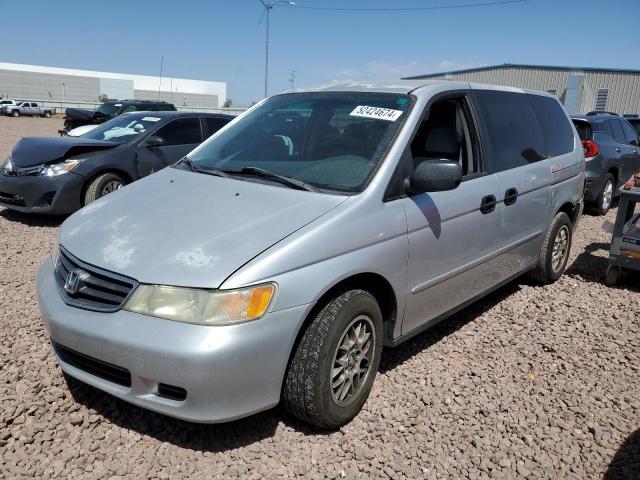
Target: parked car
32,109
612,155
77,117
59,175
275,260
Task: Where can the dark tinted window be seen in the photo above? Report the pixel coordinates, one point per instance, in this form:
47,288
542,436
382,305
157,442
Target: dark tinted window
212,125
513,129
616,128
584,129
557,131
164,107
630,134
182,131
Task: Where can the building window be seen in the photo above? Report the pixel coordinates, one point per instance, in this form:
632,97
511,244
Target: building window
601,99
553,92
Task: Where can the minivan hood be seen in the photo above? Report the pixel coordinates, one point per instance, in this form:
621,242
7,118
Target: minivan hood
182,228
32,151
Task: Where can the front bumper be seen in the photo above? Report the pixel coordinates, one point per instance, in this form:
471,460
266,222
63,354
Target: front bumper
35,194
227,372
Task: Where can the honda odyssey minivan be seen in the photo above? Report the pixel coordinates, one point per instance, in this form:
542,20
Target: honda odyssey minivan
273,262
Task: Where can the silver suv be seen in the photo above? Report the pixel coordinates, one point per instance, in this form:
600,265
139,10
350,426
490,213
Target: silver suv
274,261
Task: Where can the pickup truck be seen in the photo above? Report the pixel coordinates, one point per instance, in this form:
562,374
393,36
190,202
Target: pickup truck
28,108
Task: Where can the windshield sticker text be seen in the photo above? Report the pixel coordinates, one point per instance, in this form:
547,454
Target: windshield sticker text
376,112
151,119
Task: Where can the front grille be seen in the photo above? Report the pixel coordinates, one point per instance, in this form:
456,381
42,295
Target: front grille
93,366
85,286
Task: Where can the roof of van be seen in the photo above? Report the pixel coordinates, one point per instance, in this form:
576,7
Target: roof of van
407,86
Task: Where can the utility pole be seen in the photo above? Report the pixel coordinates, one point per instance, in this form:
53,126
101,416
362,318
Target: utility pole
268,7
160,81
292,80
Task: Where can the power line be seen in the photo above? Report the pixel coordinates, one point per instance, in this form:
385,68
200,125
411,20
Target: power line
409,9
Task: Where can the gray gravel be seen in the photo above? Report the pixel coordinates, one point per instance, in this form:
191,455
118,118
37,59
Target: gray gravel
531,382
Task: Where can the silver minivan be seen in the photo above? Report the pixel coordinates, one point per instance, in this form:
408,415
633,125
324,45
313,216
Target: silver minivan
274,262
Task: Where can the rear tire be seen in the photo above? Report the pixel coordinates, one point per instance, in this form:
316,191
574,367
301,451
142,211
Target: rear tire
336,361
102,185
555,250
47,114
605,198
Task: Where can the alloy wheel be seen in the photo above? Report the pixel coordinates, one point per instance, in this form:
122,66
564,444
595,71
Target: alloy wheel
560,248
112,186
352,360
607,195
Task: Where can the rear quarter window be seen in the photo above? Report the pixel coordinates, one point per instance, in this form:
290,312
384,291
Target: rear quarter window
585,132
556,128
514,133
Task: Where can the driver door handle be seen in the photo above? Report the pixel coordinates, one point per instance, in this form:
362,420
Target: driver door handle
511,196
488,204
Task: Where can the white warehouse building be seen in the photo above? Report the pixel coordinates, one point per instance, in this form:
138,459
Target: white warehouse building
39,83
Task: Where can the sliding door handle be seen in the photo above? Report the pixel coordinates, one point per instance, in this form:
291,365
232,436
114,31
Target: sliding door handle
488,204
511,196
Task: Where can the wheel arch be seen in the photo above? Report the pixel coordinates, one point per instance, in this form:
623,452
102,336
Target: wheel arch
572,211
93,175
375,284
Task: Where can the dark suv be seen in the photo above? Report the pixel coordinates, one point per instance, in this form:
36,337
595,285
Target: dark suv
76,117
612,154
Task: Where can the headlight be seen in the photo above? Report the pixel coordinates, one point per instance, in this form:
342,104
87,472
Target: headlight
55,253
56,169
203,307
7,166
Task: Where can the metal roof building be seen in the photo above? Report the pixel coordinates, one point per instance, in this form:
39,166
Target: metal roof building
33,82
580,89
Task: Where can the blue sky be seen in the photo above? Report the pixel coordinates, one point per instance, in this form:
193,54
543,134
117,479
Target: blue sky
223,40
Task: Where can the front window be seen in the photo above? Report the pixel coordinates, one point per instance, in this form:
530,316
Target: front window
109,108
328,140
123,129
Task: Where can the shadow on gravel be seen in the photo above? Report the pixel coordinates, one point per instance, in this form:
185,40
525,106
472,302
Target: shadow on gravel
626,462
212,438
592,268
31,219
394,357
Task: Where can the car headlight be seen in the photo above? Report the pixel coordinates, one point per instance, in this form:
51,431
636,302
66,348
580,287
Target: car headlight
203,307
56,169
7,166
55,253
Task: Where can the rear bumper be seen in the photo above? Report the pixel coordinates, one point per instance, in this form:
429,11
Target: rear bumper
224,372
33,194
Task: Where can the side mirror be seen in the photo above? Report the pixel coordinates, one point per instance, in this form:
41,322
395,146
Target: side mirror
433,175
154,141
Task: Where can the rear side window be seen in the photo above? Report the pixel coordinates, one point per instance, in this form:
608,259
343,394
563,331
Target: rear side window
618,134
556,129
182,131
513,129
584,129
212,125
630,134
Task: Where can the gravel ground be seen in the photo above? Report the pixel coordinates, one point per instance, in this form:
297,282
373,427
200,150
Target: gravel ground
531,382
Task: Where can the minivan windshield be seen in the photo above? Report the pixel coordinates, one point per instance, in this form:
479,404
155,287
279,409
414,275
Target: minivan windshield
327,140
123,128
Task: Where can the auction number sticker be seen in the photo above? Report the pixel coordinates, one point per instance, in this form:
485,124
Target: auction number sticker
151,119
376,112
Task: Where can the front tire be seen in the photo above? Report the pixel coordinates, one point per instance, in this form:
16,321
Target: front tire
555,250
102,185
15,113
336,361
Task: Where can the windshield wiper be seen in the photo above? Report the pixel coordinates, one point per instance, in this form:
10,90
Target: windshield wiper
196,168
259,172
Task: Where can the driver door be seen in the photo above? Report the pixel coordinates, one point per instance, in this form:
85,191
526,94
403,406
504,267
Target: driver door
179,136
452,245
